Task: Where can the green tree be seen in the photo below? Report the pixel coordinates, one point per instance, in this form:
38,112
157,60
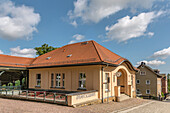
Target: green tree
44,49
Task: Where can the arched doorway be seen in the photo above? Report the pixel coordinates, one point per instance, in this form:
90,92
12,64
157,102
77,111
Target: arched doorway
122,81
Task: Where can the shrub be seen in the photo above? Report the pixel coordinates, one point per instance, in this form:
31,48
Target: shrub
162,94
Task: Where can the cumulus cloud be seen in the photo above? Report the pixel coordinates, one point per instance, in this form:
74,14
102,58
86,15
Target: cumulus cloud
96,10
153,63
1,52
164,53
26,52
17,22
127,28
74,23
76,38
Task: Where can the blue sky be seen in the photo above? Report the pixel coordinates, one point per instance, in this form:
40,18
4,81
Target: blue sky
136,30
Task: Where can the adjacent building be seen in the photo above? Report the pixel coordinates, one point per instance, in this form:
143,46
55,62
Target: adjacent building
148,81
164,83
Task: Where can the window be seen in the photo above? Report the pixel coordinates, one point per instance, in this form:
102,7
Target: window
147,91
38,79
52,80
58,77
137,81
106,76
113,78
132,80
106,85
82,80
142,73
147,82
137,91
63,79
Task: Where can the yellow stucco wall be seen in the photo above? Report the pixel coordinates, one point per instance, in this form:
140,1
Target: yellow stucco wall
71,77
93,78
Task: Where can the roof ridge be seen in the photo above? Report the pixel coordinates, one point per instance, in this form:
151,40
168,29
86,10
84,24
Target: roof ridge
93,42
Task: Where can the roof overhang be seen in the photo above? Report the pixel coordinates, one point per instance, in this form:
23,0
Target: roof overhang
11,68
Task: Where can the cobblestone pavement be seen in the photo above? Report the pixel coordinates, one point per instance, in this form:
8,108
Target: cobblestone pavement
18,106
151,107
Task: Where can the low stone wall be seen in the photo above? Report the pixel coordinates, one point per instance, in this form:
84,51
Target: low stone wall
82,97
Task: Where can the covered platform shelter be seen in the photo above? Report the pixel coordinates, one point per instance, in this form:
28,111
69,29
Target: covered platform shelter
13,71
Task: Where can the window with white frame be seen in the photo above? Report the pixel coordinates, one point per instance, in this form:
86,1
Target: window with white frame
106,84
142,73
148,91
82,80
147,82
137,91
63,79
58,78
38,79
137,81
52,80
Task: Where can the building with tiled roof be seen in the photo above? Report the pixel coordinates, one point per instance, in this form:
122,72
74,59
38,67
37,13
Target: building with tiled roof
83,66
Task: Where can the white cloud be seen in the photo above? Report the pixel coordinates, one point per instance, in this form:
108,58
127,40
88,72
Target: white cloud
26,52
150,34
1,52
153,63
17,22
77,37
74,23
162,53
127,28
96,10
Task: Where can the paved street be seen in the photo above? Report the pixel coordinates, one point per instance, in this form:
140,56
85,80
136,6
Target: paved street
133,105
18,106
151,107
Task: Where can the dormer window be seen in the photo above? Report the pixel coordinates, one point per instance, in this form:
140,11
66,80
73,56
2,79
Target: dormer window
48,58
69,55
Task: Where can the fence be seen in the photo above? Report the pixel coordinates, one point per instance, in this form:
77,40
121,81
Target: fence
44,96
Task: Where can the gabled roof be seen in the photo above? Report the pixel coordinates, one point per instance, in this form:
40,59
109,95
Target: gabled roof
149,68
13,61
88,52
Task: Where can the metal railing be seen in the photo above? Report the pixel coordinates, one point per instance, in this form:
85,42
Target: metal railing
44,96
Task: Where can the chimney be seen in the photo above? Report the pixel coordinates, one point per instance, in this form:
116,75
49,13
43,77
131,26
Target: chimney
143,63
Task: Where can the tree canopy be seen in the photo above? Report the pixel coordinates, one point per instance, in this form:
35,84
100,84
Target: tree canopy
44,49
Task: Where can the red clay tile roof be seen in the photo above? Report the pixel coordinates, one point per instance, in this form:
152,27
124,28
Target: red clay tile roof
77,53
82,52
13,61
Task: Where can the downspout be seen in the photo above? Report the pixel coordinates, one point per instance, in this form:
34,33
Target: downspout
103,82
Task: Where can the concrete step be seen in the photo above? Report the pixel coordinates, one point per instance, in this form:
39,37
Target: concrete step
124,97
